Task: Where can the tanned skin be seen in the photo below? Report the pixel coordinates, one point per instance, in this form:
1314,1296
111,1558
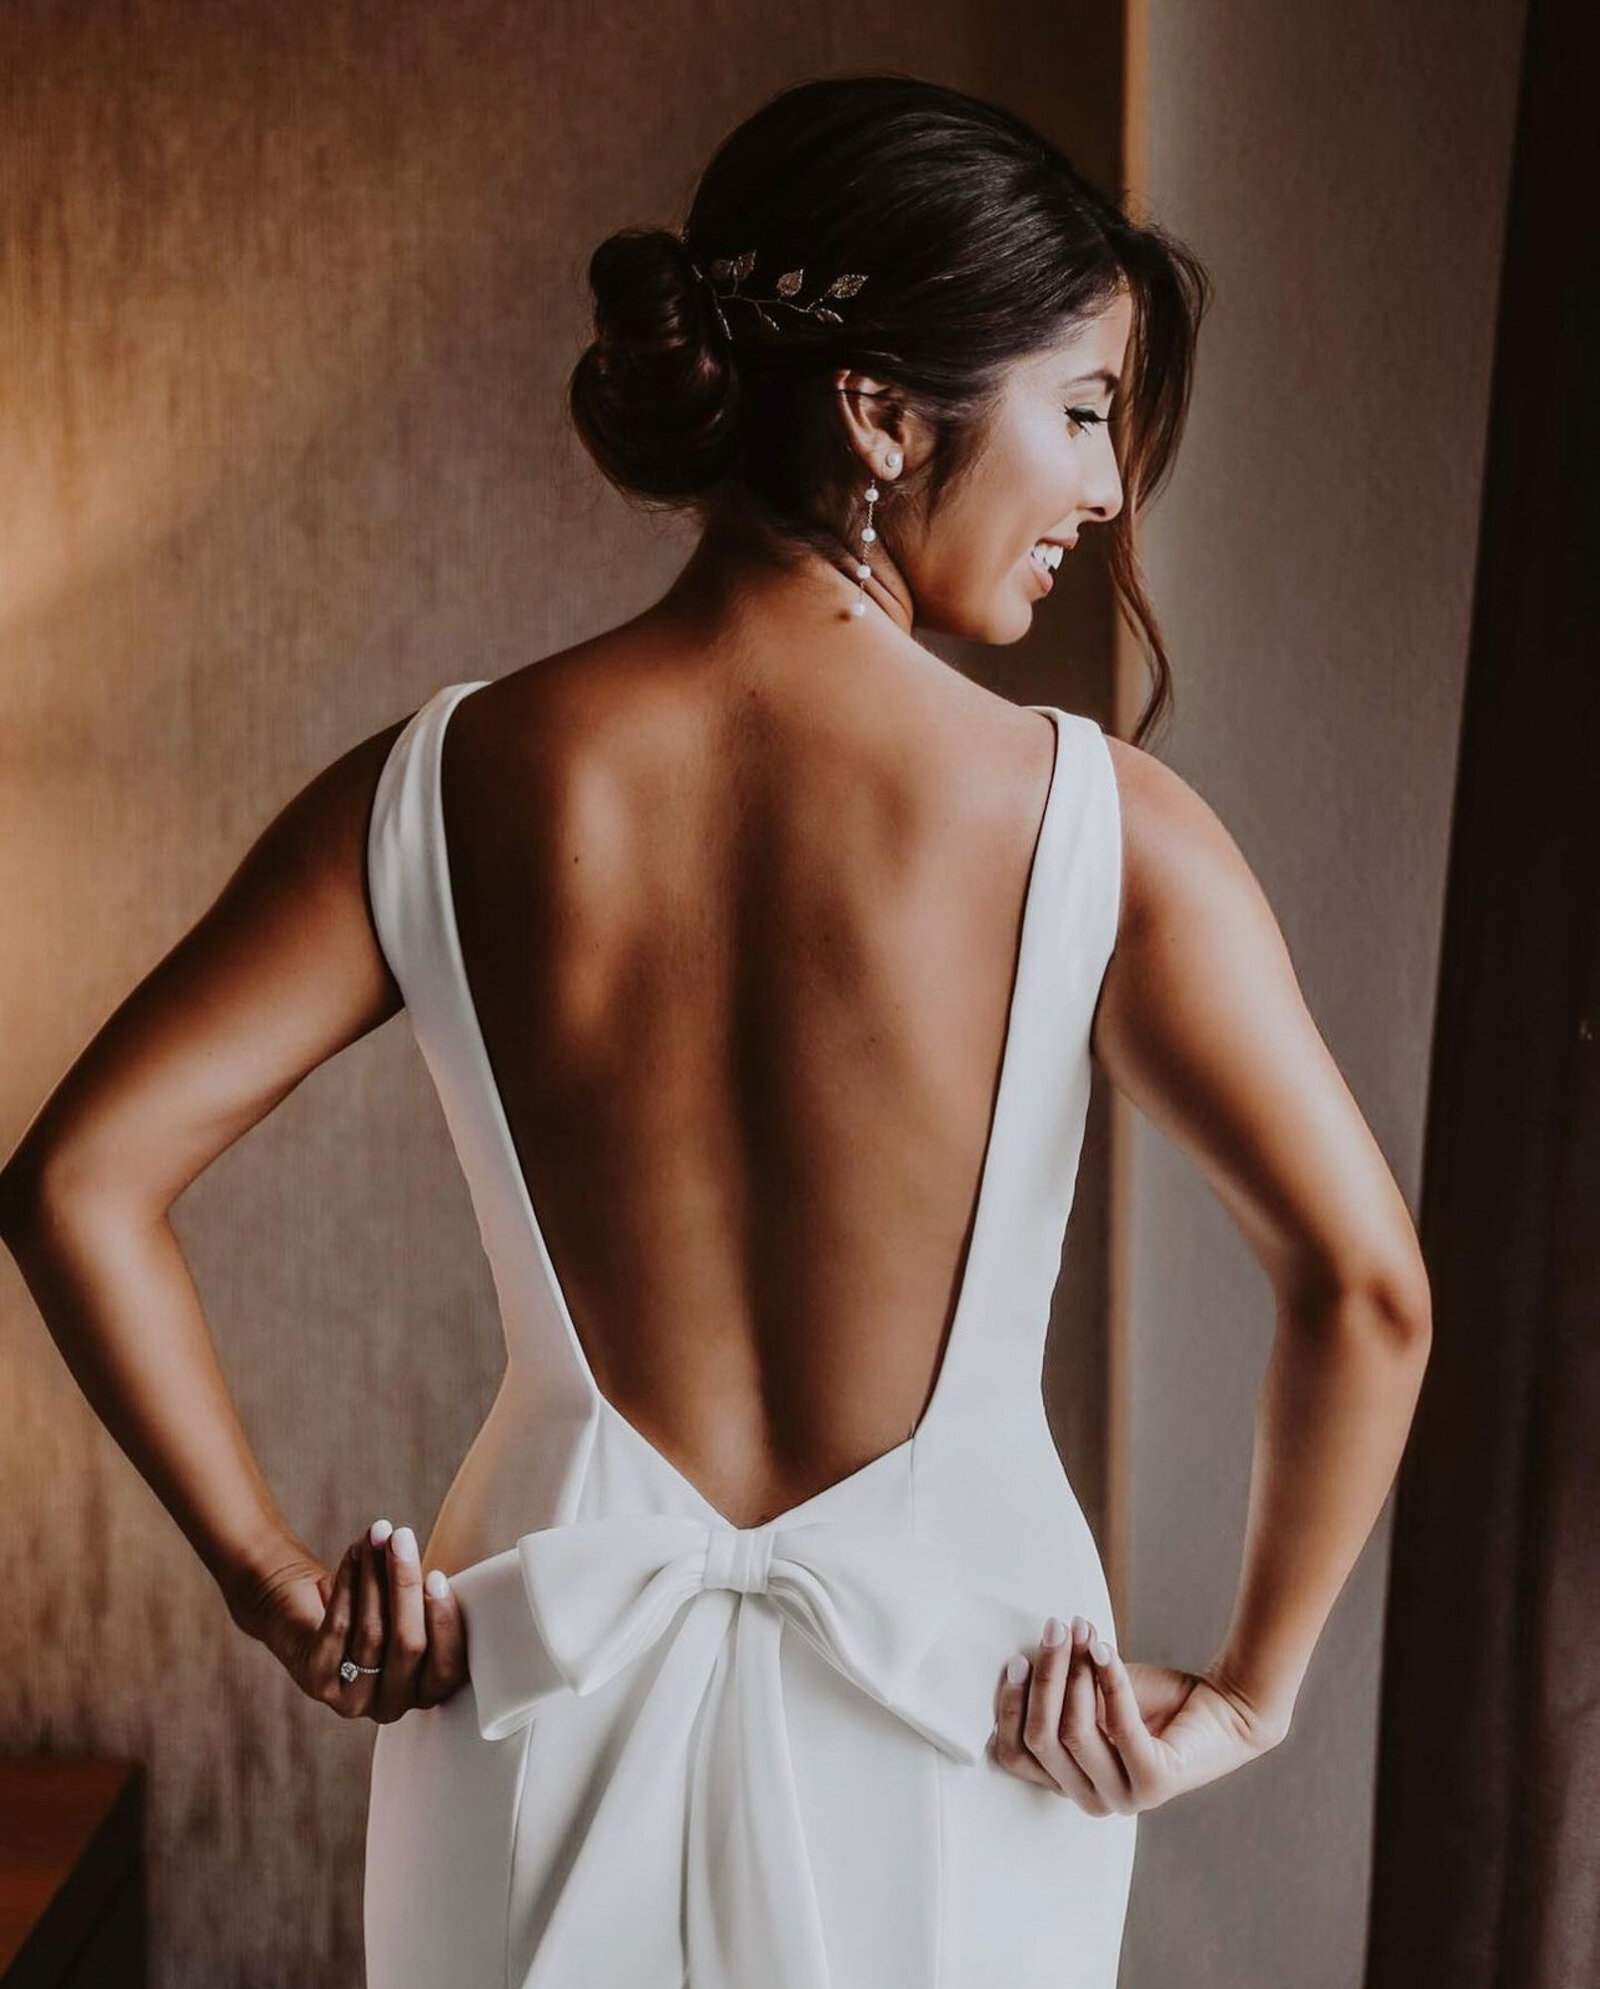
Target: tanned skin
780,741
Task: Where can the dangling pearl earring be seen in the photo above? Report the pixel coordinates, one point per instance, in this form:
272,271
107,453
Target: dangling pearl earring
868,535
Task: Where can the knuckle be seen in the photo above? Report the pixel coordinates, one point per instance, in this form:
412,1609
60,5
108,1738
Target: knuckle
1074,1740
1145,1794
1077,1724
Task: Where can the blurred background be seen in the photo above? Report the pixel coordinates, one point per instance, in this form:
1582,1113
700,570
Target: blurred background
290,299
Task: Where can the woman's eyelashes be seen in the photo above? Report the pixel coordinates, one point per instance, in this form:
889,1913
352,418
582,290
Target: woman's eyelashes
1084,417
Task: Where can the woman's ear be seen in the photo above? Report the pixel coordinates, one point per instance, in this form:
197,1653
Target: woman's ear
875,418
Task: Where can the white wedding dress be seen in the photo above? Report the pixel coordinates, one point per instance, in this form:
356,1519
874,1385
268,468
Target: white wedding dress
752,1758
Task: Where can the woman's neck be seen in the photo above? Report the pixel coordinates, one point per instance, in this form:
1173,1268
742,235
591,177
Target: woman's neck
742,578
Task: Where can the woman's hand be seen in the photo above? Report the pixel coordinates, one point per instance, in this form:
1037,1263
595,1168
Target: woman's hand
374,1609
1117,1737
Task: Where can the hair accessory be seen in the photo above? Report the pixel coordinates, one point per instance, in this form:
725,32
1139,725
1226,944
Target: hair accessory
716,304
728,272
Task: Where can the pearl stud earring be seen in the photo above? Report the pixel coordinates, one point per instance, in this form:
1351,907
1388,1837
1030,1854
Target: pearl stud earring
869,535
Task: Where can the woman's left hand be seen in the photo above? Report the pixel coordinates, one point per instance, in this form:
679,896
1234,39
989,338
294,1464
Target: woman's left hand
1119,1737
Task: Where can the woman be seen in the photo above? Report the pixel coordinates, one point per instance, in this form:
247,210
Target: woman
759,958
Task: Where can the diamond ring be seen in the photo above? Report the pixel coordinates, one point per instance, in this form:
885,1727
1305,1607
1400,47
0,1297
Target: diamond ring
350,1669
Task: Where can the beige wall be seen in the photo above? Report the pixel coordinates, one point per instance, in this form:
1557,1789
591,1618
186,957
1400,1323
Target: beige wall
1344,172
291,301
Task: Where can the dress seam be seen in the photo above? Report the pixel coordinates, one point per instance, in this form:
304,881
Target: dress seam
511,1849
938,1771
572,1506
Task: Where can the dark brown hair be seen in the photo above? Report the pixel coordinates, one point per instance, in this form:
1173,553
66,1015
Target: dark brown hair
982,245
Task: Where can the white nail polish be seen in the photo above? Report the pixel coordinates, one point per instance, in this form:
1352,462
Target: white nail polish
437,1584
404,1543
379,1532
1016,1668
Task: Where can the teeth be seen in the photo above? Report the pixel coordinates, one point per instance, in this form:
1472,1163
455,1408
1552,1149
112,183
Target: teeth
1047,556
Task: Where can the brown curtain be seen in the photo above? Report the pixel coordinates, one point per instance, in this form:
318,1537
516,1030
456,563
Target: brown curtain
1487,1849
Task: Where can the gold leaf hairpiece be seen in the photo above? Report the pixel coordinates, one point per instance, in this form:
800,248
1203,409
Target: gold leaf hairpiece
728,272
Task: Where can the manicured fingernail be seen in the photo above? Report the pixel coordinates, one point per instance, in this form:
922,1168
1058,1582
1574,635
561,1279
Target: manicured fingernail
1100,1651
1080,1629
1054,1631
1016,1669
379,1532
404,1543
437,1584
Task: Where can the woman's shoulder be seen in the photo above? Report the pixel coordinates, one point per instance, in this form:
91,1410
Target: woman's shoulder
1180,862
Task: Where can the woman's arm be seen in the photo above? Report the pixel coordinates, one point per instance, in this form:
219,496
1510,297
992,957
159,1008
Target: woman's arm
281,973
1202,1024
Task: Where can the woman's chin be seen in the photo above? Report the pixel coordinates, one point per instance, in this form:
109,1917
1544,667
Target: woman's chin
1013,618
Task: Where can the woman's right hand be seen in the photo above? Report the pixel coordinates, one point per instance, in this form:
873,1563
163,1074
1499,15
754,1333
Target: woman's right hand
375,1609
1120,1737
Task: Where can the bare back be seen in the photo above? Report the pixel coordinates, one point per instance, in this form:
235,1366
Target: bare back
742,966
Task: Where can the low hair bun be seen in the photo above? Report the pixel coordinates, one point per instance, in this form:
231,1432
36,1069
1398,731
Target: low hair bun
653,395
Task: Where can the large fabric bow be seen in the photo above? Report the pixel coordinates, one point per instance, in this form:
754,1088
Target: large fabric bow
895,1615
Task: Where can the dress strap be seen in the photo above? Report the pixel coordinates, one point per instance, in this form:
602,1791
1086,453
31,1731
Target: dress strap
1107,841
406,878
1092,881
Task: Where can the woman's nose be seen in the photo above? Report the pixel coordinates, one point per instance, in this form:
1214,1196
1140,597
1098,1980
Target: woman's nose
1103,495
